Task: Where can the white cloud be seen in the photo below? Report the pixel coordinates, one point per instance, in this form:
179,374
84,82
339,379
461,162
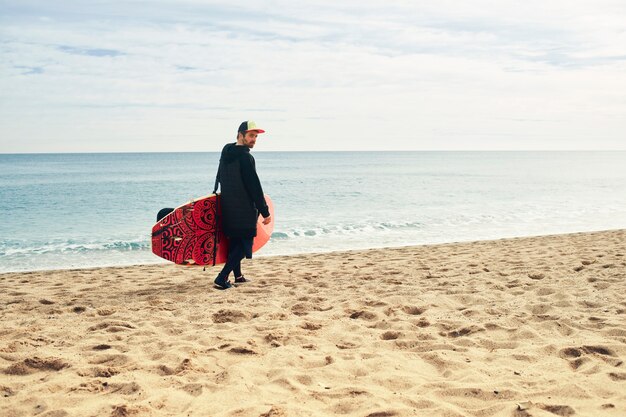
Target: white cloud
139,76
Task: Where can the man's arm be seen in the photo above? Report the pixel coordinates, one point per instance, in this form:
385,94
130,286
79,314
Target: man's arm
253,185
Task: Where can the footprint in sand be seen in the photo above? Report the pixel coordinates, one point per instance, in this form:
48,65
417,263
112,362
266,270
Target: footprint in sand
194,390
465,331
559,410
584,354
6,392
231,316
125,388
539,309
311,326
105,311
382,414
346,345
617,376
102,347
375,303
274,412
422,323
301,309
110,360
240,350
99,372
391,335
31,365
124,411
413,310
363,315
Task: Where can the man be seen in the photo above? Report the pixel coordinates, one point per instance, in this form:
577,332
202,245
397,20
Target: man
242,201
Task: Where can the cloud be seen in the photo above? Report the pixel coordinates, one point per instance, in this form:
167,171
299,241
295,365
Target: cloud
97,52
24,70
461,73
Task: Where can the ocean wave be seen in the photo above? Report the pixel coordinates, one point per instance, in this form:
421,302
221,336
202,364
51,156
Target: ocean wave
25,248
70,246
21,249
325,231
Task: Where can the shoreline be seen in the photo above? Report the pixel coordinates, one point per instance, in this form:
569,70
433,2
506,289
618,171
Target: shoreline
349,251
529,326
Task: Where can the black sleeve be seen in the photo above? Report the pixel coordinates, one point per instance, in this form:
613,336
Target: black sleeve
253,185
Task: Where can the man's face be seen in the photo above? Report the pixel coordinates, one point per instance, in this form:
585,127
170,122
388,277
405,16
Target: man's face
249,138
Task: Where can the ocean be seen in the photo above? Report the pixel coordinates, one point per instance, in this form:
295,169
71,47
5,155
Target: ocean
86,210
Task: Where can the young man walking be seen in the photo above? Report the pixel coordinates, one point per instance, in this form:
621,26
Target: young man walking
242,200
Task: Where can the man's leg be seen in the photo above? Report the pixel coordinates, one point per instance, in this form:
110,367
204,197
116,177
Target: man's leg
235,255
246,247
237,269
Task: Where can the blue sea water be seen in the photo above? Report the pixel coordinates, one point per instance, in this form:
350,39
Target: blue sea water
82,210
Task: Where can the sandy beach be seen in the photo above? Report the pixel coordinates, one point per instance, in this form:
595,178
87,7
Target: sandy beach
515,327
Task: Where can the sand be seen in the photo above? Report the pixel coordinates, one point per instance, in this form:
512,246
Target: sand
516,327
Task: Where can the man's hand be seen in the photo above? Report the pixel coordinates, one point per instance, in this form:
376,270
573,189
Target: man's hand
267,220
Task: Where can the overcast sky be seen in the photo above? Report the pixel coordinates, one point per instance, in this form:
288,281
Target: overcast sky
180,75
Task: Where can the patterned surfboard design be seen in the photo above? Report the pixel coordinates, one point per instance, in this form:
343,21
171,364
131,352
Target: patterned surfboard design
192,235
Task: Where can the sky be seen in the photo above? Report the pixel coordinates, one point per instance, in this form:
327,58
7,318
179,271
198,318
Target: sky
180,75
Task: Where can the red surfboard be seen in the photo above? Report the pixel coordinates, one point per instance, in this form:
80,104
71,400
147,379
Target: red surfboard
192,233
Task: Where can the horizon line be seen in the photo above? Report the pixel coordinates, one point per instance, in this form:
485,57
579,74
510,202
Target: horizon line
317,151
